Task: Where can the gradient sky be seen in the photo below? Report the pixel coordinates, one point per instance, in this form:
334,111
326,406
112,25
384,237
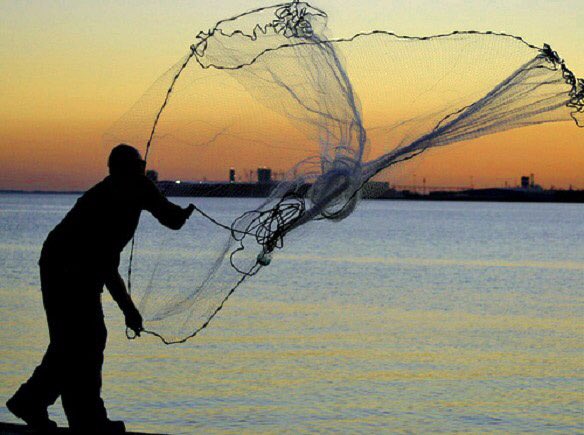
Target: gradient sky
70,69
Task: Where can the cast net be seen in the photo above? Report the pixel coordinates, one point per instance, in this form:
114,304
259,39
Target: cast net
272,86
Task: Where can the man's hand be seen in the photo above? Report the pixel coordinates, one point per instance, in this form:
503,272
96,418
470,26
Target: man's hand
189,211
116,286
134,320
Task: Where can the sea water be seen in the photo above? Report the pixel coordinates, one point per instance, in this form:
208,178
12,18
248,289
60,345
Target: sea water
407,317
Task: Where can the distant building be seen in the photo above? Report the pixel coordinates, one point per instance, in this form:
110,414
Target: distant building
232,175
528,182
264,175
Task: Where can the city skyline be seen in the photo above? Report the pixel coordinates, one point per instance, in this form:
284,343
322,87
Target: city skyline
72,69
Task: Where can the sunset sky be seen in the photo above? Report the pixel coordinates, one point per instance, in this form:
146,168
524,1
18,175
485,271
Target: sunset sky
70,69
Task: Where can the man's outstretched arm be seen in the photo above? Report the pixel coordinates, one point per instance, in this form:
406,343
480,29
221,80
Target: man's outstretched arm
167,213
117,288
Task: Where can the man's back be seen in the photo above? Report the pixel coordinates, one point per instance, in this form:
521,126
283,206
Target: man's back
104,220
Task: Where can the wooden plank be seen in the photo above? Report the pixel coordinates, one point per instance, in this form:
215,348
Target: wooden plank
18,429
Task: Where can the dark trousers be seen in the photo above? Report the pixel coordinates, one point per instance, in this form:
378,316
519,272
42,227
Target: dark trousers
71,367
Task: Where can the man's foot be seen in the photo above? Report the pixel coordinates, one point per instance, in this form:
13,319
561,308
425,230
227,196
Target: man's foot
106,427
37,419
114,427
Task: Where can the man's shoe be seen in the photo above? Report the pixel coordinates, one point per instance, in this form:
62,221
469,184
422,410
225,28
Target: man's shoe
103,427
37,419
112,427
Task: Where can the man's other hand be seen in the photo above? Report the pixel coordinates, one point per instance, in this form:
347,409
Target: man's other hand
189,210
134,320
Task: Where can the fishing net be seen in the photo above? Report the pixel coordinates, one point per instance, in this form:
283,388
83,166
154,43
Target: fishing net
272,86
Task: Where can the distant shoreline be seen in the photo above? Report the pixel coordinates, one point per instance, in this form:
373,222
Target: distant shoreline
471,195
44,192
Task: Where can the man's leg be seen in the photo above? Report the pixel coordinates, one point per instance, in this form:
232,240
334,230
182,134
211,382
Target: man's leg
42,388
32,399
81,394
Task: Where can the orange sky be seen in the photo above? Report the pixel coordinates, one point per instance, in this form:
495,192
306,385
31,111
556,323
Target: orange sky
69,70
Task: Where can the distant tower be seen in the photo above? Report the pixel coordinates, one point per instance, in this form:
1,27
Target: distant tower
264,175
525,182
532,181
232,175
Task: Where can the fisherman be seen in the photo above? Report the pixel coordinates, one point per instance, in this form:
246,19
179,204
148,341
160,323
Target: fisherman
81,255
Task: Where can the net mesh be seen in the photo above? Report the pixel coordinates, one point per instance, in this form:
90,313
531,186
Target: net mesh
331,114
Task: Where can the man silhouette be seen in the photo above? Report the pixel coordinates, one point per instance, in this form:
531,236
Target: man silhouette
81,255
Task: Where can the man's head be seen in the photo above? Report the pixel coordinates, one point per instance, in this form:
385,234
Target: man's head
126,160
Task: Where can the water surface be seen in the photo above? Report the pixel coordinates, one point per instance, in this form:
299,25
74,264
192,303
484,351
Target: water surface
406,317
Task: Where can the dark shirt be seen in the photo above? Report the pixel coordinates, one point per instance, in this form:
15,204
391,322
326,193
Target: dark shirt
95,231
